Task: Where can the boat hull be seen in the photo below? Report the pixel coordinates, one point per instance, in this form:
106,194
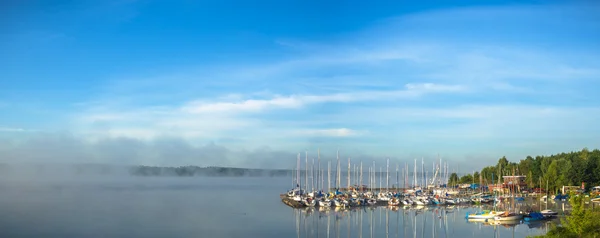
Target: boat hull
509,218
481,217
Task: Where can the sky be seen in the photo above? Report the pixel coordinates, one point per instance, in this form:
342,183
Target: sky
238,83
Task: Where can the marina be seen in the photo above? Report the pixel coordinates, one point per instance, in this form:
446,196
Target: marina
386,221
499,203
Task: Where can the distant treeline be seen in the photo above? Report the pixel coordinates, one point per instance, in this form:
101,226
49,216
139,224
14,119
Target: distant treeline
553,171
189,171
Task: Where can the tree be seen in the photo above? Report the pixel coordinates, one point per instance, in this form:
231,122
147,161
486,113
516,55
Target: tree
551,175
581,222
486,174
501,167
530,180
545,163
564,172
468,178
453,179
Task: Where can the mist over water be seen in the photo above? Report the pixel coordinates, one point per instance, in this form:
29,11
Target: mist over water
121,205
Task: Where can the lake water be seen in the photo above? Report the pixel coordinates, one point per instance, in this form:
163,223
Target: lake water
210,207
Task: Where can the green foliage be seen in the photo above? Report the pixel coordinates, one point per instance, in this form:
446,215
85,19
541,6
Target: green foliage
557,170
453,180
581,222
486,174
466,179
190,171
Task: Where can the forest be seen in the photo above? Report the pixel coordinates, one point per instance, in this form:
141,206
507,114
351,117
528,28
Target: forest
188,171
554,171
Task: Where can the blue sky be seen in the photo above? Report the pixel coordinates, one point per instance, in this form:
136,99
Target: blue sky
170,82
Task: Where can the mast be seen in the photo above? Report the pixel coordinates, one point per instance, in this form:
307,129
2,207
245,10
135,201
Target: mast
355,181
298,181
293,179
320,182
373,173
387,175
434,171
298,172
306,171
328,176
339,178
349,173
320,171
380,177
404,177
415,174
546,194
422,172
397,178
370,183
361,177
312,175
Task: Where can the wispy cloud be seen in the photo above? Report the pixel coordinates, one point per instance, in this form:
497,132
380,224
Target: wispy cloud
198,119
10,129
441,79
296,101
338,132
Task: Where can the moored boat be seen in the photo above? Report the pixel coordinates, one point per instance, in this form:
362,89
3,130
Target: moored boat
325,203
508,216
485,214
309,202
547,213
534,216
394,202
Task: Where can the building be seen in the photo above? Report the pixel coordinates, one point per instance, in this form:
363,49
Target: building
569,189
511,184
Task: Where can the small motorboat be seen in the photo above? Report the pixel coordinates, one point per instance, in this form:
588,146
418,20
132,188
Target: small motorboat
534,216
371,202
485,214
548,213
508,216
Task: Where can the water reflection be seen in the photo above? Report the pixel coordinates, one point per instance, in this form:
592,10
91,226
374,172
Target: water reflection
436,222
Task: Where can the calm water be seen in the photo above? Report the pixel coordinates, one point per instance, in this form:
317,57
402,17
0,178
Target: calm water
210,207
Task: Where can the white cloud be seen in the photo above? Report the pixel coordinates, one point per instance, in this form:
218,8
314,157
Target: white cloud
431,87
245,118
360,78
296,101
13,129
246,105
336,132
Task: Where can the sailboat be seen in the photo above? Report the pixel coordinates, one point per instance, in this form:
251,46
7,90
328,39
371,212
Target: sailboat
325,202
394,201
485,214
508,215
